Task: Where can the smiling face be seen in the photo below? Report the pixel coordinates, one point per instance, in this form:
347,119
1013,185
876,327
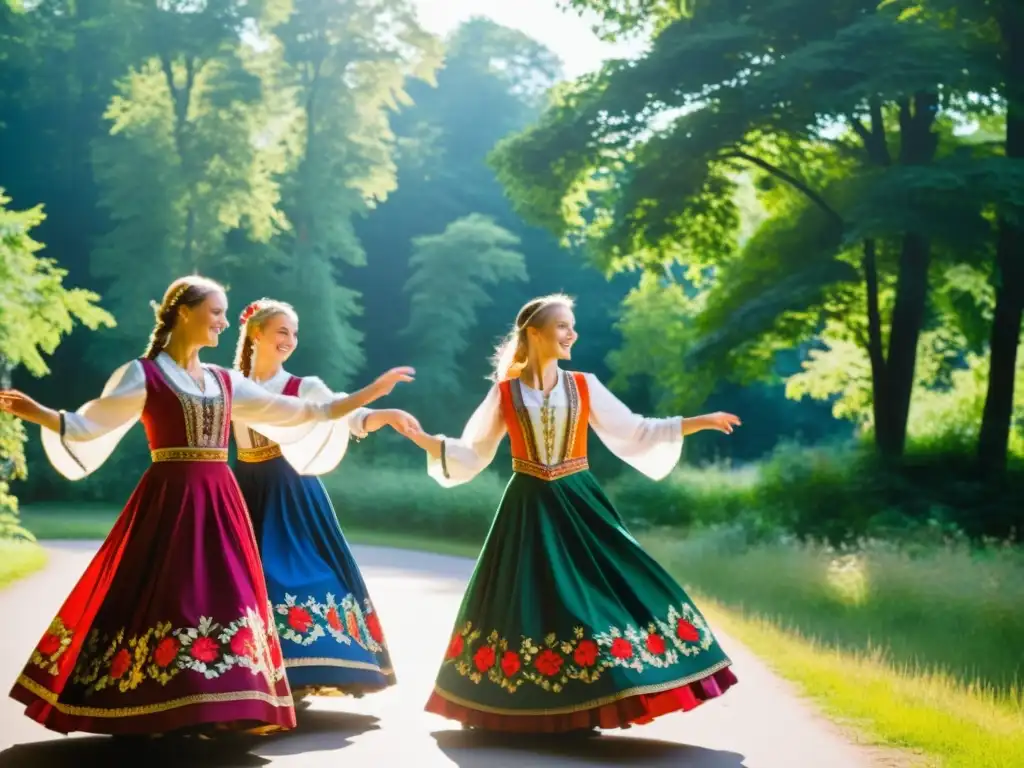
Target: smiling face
277,339
203,323
555,336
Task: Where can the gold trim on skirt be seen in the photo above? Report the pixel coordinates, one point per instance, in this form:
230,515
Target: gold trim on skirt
554,472
256,455
189,454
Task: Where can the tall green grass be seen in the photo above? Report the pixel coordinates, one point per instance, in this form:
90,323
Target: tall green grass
949,609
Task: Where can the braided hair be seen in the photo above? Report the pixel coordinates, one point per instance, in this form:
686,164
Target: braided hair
254,318
512,355
188,291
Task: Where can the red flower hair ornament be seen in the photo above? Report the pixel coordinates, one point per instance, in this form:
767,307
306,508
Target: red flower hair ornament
248,312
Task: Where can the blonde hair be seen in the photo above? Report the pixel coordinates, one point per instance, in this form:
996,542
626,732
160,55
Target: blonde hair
188,291
513,353
255,318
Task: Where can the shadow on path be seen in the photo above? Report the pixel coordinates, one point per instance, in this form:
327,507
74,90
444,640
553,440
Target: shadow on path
152,753
470,749
317,731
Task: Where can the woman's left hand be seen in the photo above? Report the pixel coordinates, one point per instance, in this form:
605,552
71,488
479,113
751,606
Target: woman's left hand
404,423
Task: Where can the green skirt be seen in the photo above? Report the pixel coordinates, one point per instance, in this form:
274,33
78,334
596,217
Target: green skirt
568,624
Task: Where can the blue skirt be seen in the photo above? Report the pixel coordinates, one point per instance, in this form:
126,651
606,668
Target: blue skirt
331,635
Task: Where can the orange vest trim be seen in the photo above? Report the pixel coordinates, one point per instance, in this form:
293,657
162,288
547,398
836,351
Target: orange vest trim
520,431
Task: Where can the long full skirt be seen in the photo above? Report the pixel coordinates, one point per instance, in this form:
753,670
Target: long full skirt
169,627
567,624
331,634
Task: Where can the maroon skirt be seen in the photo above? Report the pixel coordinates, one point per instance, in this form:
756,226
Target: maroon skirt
169,627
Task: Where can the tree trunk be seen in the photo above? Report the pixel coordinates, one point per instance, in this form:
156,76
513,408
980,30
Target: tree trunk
876,354
917,147
994,437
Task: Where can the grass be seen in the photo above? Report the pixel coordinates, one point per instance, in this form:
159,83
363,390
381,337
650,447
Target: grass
94,521
931,715
18,559
921,650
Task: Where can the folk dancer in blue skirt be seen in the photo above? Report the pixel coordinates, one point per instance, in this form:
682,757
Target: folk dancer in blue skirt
331,634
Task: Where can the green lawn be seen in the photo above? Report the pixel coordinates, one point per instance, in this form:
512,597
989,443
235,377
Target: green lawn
919,653
19,559
93,521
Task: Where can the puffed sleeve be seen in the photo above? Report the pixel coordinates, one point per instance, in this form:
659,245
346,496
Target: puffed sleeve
285,420
465,457
652,446
89,435
323,448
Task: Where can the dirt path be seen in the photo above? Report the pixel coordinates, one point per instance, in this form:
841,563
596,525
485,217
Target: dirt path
759,724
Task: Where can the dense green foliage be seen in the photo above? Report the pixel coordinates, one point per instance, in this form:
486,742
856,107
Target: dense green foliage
801,214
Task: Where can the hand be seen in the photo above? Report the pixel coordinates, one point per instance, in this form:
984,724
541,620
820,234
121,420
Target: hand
386,382
721,421
403,423
19,404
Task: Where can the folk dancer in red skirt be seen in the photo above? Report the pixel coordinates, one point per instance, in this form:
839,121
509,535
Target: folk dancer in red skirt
169,627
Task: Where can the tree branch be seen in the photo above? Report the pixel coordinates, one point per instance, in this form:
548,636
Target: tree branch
860,129
793,181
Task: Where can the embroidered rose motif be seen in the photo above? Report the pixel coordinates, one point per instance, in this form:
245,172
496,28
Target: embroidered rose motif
276,655
585,654
299,619
484,658
686,632
333,620
204,649
121,663
455,647
656,644
621,648
510,663
373,627
548,663
49,645
242,643
353,624
166,651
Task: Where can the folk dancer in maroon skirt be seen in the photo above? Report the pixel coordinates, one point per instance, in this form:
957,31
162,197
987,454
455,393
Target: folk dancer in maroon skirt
169,627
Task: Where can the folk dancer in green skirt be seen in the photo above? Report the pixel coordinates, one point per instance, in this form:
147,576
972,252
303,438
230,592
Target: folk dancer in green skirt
567,624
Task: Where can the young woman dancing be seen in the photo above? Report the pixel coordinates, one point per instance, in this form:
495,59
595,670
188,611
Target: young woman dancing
169,628
567,624
331,634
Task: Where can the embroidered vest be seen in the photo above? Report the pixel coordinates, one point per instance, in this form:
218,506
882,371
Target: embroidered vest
263,448
525,456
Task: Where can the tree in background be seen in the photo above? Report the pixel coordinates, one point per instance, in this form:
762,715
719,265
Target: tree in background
492,83
348,64
454,275
36,312
196,142
828,106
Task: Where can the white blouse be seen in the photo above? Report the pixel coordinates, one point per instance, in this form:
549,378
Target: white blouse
324,447
652,446
93,431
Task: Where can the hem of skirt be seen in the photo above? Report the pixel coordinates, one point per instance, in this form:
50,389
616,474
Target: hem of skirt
623,712
355,690
299,662
242,710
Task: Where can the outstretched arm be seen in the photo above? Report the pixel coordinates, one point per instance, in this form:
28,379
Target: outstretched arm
454,461
652,446
77,443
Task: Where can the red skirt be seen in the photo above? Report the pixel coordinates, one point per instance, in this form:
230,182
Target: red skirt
169,627
624,713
